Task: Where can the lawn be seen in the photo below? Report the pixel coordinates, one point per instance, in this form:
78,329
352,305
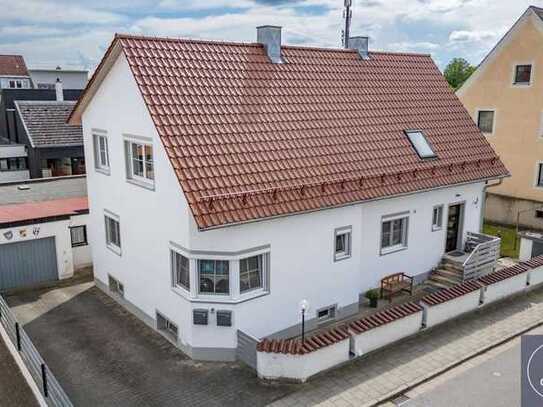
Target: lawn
508,235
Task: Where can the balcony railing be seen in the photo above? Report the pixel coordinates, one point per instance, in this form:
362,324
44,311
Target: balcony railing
485,251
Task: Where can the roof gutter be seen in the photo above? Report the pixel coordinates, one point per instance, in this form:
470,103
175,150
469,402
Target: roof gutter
500,179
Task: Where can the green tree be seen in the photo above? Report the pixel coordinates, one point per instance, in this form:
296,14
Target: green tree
457,72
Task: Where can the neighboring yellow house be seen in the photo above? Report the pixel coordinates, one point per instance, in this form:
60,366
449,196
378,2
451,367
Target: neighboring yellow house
505,98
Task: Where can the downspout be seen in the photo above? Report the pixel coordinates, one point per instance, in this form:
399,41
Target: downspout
483,203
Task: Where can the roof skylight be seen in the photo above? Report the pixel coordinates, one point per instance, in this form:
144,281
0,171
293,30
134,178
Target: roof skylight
420,144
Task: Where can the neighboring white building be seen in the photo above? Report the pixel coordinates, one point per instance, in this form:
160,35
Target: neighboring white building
71,78
227,182
51,237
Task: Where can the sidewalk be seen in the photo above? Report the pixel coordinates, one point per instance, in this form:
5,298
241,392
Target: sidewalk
393,370
14,390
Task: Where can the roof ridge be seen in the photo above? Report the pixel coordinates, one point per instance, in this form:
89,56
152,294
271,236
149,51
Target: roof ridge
255,44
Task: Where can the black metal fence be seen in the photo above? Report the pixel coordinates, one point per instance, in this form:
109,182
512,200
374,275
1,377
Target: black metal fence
51,390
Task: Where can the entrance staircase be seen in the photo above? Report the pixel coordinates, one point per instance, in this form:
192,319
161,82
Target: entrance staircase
479,258
446,274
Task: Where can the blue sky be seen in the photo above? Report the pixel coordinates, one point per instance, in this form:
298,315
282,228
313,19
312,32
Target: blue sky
75,33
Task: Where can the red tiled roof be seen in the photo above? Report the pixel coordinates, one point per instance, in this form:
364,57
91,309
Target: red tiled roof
311,344
451,293
42,210
13,65
249,139
384,317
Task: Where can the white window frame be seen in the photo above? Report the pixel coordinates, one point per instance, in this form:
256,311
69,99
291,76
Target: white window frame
109,244
439,224
263,273
478,111
175,280
345,231
164,326
410,133
404,236
331,314
115,286
99,165
214,293
85,238
523,84
137,179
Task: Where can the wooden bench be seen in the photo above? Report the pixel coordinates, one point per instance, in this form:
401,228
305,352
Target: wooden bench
396,283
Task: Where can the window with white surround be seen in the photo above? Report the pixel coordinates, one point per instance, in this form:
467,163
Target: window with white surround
140,166
539,176
326,314
167,327
113,233
437,217
420,144
78,235
342,243
115,286
181,270
485,121
214,277
394,234
251,273
19,83
523,74
101,152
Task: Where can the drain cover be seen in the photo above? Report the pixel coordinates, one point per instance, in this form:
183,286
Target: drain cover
400,400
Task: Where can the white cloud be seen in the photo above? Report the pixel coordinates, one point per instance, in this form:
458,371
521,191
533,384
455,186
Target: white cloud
463,36
49,12
204,4
421,46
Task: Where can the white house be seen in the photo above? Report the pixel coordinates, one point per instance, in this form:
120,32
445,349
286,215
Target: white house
228,181
42,241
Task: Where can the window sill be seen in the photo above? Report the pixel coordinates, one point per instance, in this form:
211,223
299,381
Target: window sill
105,171
143,184
115,249
436,228
219,299
522,84
344,256
393,249
80,244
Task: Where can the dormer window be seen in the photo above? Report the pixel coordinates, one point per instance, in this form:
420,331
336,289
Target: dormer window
420,144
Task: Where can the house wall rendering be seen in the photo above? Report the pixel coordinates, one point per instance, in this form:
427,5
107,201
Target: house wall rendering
297,252
512,119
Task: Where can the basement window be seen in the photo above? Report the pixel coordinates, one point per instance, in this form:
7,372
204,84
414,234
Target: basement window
420,144
326,314
167,327
115,286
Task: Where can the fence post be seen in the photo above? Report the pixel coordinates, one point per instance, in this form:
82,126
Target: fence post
18,333
44,379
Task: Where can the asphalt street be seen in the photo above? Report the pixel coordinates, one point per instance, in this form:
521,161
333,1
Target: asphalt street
490,380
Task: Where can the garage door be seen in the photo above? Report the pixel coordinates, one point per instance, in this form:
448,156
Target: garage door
27,263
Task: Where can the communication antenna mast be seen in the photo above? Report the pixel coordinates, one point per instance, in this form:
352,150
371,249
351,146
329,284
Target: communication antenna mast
347,16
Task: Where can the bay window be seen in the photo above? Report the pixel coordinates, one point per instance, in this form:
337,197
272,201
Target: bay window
181,269
251,273
214,277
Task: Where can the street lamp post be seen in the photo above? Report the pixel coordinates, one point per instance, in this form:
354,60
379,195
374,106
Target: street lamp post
304,307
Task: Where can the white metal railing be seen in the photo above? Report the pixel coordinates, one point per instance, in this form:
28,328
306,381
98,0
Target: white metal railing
483,257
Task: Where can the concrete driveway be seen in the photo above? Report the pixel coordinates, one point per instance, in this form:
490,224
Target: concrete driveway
103,356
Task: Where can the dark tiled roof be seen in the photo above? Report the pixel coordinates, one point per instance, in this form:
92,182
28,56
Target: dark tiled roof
384,317
311,344
45,123
451,293
12,65
249,139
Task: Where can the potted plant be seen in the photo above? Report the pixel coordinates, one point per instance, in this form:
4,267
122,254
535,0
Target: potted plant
373,296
